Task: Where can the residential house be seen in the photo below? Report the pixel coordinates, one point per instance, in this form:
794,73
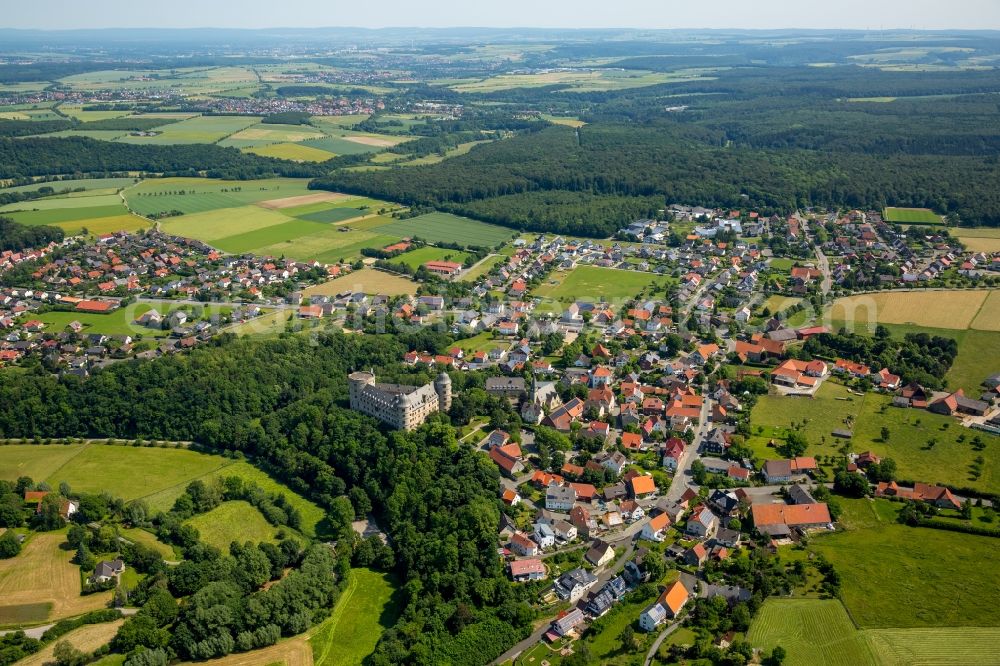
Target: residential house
702,523
574,584
522,571
656,528
600,553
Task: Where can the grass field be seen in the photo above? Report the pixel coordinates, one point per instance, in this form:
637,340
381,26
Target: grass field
78,214
945,646
156,475
938,309
434,158
981,239
777,303
284,232
814,632
445,227
563,120
86,183
233,521
581,80
65,202
988,317
200,129
594,284
291,151
367,280
119,322
203,194
86,639
337,214
149,540
892,572
948,461
483,267
420,256
265,133
293,651
41,583
911,215
365,609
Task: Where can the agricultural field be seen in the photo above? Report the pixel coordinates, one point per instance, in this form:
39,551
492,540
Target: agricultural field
364,610
293,651
563,120
85,183
420,256
198,195
584,80
944,646
42,584
460,149
911,216
814,632
200,129
445,227
334,215
263,134
233,521
594,284
283,232
890,571
938,309
86,639
368,280
60,203
980,239
948,461
291,151
76,111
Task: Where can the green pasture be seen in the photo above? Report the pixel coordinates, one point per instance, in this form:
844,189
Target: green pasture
592,283
813,632
285,232
86,183
233,521
484,267
200,129
119,322
334,215
58,215
63,202
448,228
223,223
291,151
420,256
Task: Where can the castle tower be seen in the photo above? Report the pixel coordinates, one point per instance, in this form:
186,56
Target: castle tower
357,381
442,385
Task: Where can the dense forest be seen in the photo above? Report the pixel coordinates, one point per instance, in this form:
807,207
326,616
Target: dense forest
14,236
283,404
46,156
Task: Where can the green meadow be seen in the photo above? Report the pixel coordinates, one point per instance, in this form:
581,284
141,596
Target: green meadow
448,228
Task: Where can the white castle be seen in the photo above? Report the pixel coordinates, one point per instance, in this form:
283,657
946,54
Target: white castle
402,407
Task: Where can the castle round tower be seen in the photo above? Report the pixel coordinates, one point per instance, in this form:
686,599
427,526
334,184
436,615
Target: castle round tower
442,385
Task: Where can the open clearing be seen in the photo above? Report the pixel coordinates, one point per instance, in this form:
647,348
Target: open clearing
448,228
420,256
364,610
368,280
812,631
233,521
41,583
777,303
980,239
293,651
938,309
119,322
949,461
911,215
594,284
86,639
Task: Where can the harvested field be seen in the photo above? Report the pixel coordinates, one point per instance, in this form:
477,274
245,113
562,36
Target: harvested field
937,309
86,639
303,200
988,318
371,141
367,280
291,652
42,575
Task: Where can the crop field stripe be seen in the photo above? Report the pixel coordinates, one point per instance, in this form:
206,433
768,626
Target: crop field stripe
266,236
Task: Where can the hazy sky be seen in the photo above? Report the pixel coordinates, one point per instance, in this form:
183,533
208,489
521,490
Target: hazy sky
919,14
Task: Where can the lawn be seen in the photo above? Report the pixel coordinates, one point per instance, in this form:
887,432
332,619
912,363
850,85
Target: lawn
891,572
911,215
41,583
938,309
949,461
594,284
781,264
197,195
445,227
368,280
233,521
420,256
365,609
605,644
200,129
291,151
